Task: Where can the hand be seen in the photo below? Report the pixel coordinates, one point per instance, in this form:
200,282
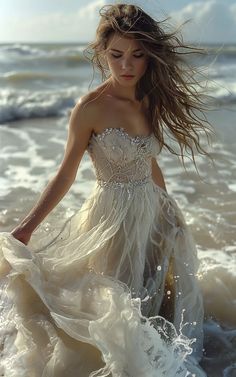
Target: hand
21,235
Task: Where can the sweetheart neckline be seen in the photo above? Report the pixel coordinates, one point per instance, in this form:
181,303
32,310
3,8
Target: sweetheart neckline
122,130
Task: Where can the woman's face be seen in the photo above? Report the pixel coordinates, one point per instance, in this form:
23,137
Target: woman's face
125,56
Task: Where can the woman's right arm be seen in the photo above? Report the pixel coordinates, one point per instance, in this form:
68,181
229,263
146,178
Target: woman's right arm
78,136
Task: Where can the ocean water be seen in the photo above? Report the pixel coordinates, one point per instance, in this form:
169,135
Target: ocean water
39,86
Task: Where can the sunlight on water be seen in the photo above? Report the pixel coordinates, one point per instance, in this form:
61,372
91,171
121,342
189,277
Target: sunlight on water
35,104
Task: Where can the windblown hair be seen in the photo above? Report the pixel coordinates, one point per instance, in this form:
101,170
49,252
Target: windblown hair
175,102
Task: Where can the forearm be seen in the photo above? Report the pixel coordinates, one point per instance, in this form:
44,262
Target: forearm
51,196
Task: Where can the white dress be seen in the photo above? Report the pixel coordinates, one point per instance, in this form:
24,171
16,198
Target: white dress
112,292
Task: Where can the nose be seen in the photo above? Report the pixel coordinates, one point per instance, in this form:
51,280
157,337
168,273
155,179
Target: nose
126,63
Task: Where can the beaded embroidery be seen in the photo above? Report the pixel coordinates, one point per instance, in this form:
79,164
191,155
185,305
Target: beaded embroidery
117,184
121,160
121,131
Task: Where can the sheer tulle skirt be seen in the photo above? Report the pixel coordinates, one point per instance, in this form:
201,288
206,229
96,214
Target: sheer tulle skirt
113,289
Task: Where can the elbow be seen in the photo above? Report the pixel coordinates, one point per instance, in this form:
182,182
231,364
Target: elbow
65,179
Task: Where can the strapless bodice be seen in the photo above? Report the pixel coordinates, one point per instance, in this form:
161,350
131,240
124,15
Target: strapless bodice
119,157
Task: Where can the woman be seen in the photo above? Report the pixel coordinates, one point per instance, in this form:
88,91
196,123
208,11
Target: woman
115,292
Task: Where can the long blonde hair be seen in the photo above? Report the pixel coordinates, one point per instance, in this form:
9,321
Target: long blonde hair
168,82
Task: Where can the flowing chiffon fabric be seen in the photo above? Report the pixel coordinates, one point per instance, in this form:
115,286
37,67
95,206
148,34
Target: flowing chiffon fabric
111,291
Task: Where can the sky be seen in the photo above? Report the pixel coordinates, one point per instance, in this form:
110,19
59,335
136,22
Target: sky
212,21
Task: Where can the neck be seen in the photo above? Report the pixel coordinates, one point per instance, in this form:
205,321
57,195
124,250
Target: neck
126,93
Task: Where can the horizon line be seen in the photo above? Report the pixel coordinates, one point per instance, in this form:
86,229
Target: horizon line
85,43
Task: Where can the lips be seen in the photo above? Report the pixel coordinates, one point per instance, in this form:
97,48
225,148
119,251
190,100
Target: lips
127,76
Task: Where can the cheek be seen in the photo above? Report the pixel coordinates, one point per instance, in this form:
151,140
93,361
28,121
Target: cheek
113,65
139,66
142,66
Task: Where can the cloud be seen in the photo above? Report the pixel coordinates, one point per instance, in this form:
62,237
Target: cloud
211,21
54,26
233,11
77,26
91,12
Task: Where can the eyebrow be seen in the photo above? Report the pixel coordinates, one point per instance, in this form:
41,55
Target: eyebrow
138,49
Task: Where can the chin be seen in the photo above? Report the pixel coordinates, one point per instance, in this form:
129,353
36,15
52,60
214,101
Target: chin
129,83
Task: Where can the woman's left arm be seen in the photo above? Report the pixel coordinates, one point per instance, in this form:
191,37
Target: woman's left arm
157,175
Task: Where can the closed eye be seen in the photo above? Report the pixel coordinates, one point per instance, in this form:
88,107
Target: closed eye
135,56
139,56
116,56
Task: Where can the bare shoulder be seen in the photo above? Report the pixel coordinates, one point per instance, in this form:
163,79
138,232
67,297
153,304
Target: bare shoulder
82,114
87,111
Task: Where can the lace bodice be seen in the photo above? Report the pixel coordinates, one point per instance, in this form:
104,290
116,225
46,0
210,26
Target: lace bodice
119,157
